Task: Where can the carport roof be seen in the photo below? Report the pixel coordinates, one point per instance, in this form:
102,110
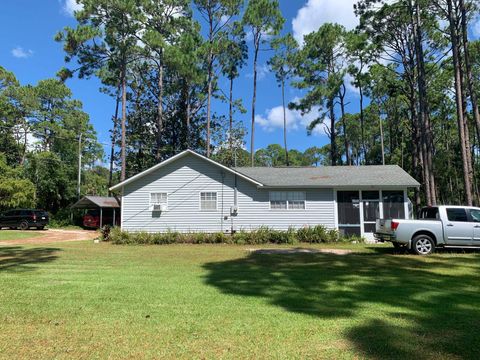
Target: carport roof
88,202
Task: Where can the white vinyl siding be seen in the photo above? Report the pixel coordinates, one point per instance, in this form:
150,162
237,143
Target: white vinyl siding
208,201
158,199
291,200
184,180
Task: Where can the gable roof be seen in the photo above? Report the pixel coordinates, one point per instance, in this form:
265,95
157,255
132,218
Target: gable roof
331,176
304,177
176,157
88,202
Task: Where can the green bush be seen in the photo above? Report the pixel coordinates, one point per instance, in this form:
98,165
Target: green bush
263,235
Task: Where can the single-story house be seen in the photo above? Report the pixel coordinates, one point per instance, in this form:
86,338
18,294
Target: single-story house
191,193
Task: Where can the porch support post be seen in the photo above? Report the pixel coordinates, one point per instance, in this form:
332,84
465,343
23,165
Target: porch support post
113,224
101,218
405,203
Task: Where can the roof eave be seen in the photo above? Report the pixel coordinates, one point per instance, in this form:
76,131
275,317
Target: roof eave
331,186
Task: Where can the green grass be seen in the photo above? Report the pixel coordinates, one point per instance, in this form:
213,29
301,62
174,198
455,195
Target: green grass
17,234
85,300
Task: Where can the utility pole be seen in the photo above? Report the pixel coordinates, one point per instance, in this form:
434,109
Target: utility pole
79,165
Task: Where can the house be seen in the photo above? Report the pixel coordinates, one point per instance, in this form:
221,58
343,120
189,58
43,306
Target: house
191,193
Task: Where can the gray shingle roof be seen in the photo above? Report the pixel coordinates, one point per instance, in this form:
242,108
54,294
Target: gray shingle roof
331,176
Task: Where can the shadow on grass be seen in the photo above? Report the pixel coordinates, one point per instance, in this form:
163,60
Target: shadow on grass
17,258
406,306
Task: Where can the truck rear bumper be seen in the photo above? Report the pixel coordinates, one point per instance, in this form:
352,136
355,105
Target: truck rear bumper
384,237
390,238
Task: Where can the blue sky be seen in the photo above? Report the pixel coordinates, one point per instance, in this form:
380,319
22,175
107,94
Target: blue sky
27,28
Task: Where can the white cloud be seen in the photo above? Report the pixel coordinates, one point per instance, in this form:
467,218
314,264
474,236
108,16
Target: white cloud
317,12
70,6
272,120
21,53
262,71
349,79
475,27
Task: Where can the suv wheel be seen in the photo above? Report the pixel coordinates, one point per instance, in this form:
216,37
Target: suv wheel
23,225
423,245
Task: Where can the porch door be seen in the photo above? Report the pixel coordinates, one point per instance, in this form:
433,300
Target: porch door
348,203
371,211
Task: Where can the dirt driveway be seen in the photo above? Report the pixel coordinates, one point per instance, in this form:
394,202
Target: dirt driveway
55,235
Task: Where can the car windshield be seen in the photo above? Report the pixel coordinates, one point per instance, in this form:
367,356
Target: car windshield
93,213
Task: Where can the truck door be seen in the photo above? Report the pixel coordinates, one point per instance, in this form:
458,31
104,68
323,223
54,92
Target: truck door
475,217
458,230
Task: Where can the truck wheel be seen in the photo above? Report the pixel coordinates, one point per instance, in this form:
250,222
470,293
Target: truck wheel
423,245
23,225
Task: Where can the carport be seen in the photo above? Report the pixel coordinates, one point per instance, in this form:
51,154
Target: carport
98,203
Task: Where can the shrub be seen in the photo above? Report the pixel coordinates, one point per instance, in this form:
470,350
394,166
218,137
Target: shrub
263,235
120,237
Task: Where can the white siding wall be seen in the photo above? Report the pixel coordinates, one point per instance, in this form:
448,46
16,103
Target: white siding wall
185,178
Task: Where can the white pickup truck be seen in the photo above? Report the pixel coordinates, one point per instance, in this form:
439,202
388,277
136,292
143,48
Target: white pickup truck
439,226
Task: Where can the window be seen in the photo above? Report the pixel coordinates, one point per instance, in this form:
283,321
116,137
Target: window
296,200
475,214
158,201
429,213
393,205
208,201
457,214
278,200
291,200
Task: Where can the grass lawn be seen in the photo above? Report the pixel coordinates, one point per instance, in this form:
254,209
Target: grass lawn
17,234
85,300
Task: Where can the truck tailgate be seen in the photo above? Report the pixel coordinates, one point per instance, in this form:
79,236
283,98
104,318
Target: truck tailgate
384,226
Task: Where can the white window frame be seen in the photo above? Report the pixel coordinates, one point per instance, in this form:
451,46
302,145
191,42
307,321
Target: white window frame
152,204
287,208
200,201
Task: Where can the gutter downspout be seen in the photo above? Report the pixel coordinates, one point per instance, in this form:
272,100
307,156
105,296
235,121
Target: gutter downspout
223,187
233,211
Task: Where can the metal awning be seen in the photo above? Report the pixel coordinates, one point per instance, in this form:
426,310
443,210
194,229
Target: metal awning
98,202
92,202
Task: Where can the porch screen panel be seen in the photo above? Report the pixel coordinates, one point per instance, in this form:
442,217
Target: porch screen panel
393,204
348,203
371,210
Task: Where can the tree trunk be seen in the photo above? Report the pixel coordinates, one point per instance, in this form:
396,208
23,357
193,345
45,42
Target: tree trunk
209,109
333,145
362,124
230,117
459,103
114,140
427,137
382,142
188,115
341,95
254,99
468,68
158,155
210,80
124,120
284,123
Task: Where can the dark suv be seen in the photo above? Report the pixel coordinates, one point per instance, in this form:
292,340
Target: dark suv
24,219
